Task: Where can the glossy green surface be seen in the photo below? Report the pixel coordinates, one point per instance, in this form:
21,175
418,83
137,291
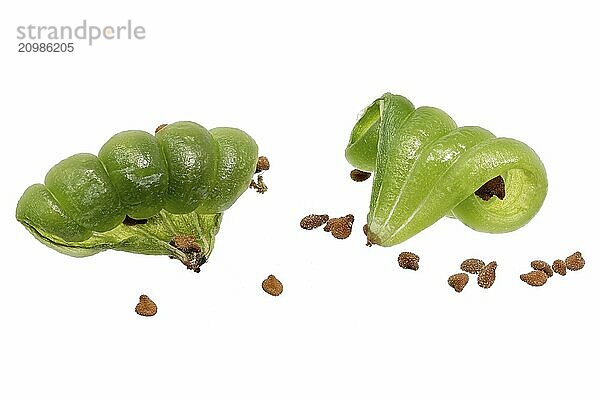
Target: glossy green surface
425,167
180,181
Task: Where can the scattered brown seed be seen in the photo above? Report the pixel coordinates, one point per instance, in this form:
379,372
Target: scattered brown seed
559,267
575,261
158,128
262,164
408,260
487,275
272,286
472,265
340,228
535,278
540,265
458,281
359,176
493,187
146,307
313,221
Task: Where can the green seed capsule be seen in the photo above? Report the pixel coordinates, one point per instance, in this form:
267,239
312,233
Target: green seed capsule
426,168
174,184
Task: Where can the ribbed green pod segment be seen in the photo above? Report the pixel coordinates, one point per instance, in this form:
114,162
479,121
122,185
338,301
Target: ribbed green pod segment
142,192
425,168
138,170
191,155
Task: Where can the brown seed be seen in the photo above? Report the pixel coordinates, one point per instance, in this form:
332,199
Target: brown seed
540,265
340,228
359,176
535,278
472,265
493,187
262,164
559,267
146,307
272,286
408,260
158,128
186,244
458,281
575,261
313,221
487,275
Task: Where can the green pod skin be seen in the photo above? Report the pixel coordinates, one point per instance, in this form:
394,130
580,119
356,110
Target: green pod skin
175,183
138,170
191,155
426,168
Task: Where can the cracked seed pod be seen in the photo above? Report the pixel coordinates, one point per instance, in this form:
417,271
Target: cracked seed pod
458,281
425,168
146,307
472,265
540,265
313,221
575,261
141,191
341,227
535,278
560,267
487,275
408,260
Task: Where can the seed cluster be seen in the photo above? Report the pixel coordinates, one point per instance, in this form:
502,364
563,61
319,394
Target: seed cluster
542,271
408,260
340,227
272,286
486,274
359,176
146,307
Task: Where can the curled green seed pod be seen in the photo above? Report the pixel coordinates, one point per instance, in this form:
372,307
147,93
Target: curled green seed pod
425,168
142,191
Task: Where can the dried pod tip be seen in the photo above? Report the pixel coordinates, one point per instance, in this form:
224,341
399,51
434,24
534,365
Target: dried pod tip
560,267
458,281
272,286
146,307
158,128
259,185
487,275
472,265
194,258
408,260
543,266
493,187
535,278
359,176
262,164
341,227
313,221
575,261
366,232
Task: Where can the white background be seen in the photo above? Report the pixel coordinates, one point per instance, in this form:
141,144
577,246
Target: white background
350,323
